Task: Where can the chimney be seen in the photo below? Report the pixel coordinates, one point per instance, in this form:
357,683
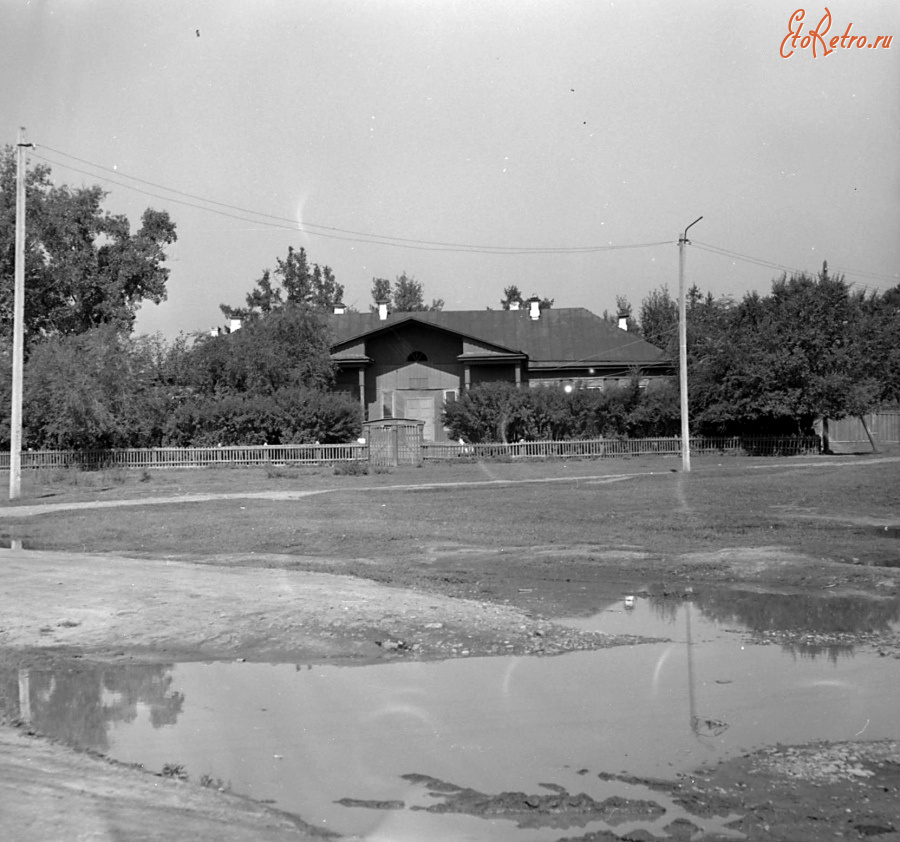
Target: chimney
339,308
382,310
214,331
534,308
513,305
623,320
235,325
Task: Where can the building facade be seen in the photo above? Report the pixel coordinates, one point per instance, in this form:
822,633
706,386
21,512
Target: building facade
407,365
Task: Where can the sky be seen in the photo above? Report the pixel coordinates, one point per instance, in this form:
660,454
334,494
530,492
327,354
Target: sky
562,146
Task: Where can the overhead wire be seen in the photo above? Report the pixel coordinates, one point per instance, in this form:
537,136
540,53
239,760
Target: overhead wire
758,261
273,221
267,220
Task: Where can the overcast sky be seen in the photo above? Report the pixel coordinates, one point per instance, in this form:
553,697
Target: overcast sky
423,135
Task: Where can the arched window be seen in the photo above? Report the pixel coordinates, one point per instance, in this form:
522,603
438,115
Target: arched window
417,357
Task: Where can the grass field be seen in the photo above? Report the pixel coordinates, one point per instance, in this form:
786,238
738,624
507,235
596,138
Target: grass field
835,509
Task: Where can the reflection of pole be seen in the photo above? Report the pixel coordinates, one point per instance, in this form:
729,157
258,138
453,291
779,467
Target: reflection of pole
682,354
25,696
692,704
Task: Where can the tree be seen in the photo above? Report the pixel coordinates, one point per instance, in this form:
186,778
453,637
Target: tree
83,265
381,294
773,364
623,309
511,295
297,283
406,296
488,412
879,334
290,347
82,391
659,320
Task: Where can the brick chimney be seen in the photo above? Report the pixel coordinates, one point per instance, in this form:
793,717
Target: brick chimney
534,308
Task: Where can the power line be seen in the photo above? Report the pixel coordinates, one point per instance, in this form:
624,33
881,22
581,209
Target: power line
758,261
331,232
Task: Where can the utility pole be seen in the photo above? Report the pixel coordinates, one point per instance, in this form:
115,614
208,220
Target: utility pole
682,353
15,435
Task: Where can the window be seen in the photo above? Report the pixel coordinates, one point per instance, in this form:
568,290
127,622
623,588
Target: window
417,357
387,404
449,395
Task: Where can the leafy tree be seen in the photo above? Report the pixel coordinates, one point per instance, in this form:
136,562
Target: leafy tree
879,337
406,295
623,307
511,295
659,320
657,412
297,283
381,293
83,265
772,364
488,412
292,415
500,412
82,392
289,347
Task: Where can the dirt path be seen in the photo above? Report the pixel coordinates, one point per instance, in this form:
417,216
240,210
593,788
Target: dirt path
113,607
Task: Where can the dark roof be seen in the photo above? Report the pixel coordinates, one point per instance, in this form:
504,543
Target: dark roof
560,336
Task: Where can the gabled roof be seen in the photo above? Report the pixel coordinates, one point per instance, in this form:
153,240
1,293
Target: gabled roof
563,336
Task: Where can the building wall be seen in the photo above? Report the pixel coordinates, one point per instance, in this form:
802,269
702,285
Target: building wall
398,387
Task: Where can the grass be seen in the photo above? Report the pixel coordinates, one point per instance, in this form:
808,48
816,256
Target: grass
734,502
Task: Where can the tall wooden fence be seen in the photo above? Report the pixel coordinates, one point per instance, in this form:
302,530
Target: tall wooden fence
317,454
884,427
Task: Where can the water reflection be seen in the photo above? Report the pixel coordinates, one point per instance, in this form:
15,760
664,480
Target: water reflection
79,705
804,625
761,612
307,738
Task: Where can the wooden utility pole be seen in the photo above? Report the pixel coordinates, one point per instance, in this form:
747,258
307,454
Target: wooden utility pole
15,433
682,353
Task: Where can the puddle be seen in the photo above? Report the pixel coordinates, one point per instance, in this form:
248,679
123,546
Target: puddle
393,736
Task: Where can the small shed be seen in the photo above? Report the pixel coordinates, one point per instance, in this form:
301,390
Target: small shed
395,441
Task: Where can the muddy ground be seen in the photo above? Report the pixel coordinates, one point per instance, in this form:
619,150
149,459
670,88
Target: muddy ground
430,599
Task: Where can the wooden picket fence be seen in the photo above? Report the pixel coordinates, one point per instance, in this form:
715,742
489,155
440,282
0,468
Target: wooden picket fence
601,448
192,457
318,454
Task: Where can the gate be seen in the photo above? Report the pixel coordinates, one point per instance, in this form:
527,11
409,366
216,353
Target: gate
394,441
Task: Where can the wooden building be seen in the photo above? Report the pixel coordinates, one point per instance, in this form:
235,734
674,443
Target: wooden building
406,365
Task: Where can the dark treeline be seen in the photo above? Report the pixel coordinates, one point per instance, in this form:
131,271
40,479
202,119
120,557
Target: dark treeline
767,365
269,382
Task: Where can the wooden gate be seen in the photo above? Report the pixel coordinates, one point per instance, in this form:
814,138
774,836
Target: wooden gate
394,441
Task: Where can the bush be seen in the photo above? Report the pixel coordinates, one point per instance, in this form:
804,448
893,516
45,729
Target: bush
291,416
500,412
351,469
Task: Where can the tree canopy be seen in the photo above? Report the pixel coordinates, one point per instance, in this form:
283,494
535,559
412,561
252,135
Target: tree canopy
83,265
405,296
512,295
296,283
